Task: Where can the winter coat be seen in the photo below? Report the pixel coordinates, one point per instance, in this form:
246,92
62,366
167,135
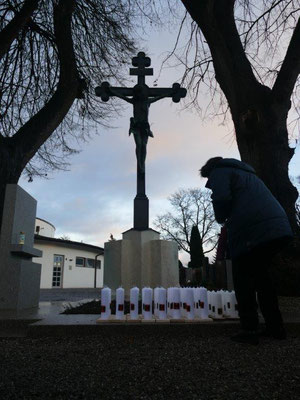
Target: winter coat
222,248
241,200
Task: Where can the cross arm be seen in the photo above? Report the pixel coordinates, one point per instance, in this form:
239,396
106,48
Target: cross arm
105,91
176,92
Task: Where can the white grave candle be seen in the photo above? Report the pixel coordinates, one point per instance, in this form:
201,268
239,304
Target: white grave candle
230,304
134,302
197,302
183,302
224,302
224,308
203,303
105,303
120,303
189,298
169,302
155,298
147,294
162,303
213,303
236,310
218,303
175,303
209,303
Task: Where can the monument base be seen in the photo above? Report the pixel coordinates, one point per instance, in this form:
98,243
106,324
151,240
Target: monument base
140,259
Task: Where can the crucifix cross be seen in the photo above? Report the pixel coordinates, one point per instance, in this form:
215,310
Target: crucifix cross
141,97
141,62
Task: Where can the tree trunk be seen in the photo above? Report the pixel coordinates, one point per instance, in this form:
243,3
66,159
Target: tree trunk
262,139
10,168
259,113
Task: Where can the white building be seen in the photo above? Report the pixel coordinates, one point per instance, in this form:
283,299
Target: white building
67,264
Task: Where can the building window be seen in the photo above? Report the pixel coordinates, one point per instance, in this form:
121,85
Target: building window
80,262
37,229
90,263
87,262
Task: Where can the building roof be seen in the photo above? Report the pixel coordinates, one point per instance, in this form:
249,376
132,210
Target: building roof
47,222
39,239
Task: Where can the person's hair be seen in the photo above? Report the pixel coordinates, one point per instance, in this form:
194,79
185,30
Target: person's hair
209,166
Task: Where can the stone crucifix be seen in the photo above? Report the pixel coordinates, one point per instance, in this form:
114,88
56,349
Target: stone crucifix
141,97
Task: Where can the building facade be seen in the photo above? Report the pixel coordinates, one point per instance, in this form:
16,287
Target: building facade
65,263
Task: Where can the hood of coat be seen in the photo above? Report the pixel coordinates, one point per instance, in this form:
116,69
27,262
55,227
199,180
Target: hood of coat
233,163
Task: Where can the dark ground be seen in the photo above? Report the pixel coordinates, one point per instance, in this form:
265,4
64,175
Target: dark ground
177,363
153,363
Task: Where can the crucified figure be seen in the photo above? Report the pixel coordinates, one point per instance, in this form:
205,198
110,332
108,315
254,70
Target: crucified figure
139,124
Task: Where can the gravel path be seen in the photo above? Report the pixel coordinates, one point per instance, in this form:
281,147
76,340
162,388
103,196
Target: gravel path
149,365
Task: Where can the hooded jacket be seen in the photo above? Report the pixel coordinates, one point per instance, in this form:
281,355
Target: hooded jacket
242,201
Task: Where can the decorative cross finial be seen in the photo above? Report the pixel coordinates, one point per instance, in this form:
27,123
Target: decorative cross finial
141,62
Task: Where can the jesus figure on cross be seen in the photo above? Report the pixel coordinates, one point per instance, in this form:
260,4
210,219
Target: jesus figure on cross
139,124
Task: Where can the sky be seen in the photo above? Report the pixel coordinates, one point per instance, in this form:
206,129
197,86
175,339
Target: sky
95,197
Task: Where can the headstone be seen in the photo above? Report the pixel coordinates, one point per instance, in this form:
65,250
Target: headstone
20,277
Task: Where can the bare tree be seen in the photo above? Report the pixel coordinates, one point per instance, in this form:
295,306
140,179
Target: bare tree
65,237
189,207
52,55
249,51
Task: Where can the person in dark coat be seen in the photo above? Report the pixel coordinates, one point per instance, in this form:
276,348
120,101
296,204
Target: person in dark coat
257,227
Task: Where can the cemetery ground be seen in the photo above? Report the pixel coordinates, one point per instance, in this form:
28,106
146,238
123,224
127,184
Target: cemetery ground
154,362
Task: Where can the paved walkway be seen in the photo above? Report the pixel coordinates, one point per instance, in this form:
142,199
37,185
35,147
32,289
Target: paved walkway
69,294
47,320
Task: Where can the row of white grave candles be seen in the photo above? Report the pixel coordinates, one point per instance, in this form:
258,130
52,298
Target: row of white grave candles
172,303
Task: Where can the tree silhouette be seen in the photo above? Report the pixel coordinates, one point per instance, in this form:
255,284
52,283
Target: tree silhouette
190,207
196,248
251,50
52,55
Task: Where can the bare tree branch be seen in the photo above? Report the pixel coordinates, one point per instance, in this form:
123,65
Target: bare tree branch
12,29
189,207
290,69
37,130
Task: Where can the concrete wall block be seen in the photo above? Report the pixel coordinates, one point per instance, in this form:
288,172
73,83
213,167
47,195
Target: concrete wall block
19,215
29,289
130,264
160,266
169,263
20,277
112,270
150,270
141,259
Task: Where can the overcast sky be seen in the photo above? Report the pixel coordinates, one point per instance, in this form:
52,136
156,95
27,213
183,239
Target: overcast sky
95,198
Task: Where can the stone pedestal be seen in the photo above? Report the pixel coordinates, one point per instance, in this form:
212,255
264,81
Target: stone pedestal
20,277
140,259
